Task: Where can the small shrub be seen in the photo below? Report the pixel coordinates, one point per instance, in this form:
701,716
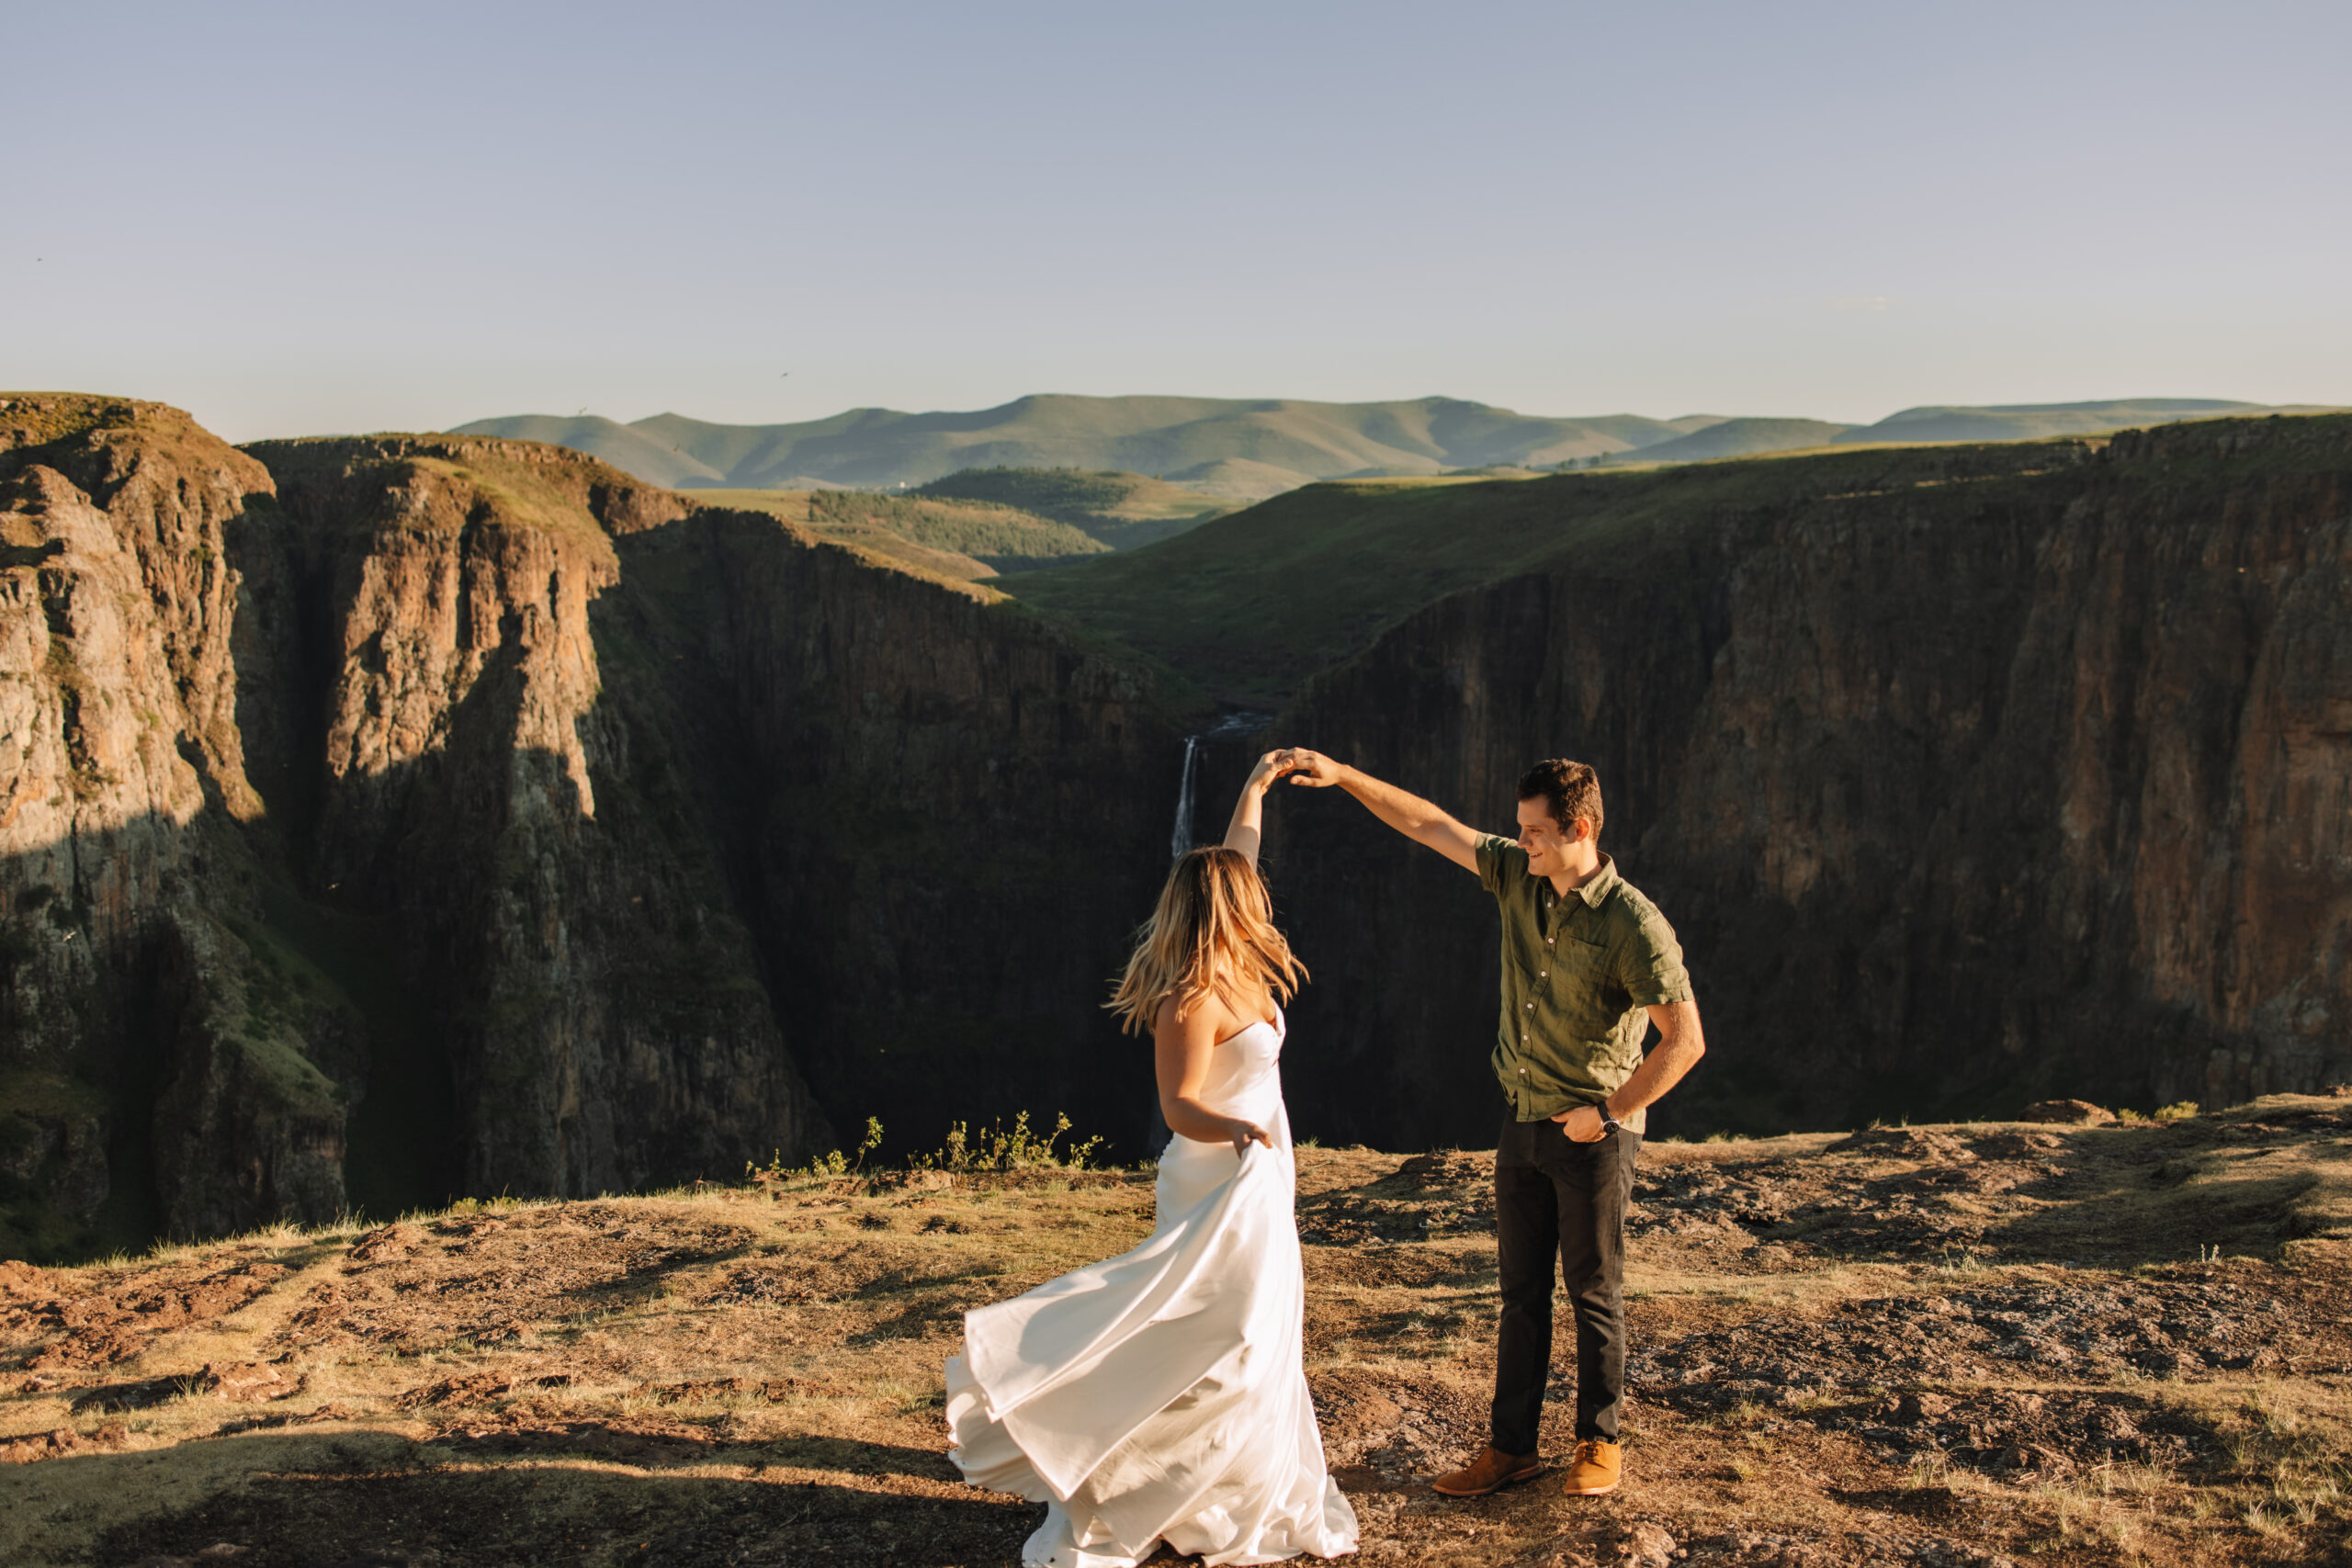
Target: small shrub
835,1164
962,1152
1002,1148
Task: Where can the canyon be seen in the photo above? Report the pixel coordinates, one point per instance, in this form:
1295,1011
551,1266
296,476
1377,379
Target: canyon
397,818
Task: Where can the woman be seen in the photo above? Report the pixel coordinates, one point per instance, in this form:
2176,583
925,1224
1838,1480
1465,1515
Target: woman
1161,1394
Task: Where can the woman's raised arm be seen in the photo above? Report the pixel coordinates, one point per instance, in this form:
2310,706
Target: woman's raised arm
1244,831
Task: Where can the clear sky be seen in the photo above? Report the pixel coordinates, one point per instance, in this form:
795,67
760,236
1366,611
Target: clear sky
326,217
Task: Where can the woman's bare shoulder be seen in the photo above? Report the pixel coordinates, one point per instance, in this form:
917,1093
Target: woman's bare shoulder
1193,1011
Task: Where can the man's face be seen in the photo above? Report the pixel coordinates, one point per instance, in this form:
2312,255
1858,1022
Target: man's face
1547,845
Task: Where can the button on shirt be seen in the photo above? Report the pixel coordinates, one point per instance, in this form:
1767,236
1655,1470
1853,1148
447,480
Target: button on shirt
1578,969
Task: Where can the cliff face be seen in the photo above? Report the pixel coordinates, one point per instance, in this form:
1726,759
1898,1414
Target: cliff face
956,817
153,1058
1959,792
398,817
595,1017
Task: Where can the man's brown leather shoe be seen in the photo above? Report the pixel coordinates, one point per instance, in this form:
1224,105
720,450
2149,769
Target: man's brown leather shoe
1491,1472
1597,1468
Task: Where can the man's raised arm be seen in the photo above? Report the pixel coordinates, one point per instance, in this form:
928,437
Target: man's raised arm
1408,814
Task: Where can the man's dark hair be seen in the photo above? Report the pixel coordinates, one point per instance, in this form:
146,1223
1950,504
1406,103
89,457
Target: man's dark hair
1570,789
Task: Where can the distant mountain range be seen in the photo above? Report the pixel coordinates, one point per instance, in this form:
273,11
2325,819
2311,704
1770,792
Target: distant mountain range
1247,449
1242,449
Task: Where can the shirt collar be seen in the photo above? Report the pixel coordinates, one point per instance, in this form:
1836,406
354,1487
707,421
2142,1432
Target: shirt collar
1602,883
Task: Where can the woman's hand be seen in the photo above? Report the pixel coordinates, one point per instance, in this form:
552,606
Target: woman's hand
1243,833
1183,1048
1310,768
1271,766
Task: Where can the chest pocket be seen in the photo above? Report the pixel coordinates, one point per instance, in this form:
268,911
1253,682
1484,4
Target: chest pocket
1586,988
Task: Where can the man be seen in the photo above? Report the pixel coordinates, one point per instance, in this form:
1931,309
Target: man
1589,965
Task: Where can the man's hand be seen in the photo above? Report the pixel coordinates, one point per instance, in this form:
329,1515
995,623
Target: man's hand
1679,1045
1582,1125
1310,768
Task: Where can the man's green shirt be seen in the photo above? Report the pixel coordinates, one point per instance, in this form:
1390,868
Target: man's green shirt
1579,970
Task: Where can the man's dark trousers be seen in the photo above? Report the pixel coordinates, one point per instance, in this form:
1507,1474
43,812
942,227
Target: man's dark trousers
1551,1193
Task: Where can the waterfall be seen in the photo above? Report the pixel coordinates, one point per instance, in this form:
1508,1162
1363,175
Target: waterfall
1181,839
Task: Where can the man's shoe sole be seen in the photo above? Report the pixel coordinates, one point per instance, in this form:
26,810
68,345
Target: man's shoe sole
1589,1490
1530,1473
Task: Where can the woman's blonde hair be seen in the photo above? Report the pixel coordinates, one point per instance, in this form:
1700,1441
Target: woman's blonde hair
1212,935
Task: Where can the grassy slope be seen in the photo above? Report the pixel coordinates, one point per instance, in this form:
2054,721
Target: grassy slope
1239,478
1248,605
2026,421
965,540
1002,535
641,453
872,539
1736,438
1124,511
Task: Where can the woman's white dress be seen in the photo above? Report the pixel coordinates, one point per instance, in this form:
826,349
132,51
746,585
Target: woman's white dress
1162,1395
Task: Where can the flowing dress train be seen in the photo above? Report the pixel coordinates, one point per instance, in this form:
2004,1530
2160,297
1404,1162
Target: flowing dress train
1162,1395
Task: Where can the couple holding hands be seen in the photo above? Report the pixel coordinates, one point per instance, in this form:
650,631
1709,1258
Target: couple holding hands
1162,1395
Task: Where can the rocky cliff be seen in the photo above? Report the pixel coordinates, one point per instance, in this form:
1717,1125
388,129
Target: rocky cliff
400,817
1963,786
945,818
156,1066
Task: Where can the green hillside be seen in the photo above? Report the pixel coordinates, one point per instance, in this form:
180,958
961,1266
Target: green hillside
1123,510
1733,438
965,539
1237,478
1277,442
1251,605
2026,421
632,450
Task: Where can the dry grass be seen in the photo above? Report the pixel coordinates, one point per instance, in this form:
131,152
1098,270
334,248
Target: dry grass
751,1375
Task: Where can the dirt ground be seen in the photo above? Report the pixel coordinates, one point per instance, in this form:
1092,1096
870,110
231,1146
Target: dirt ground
1933,1345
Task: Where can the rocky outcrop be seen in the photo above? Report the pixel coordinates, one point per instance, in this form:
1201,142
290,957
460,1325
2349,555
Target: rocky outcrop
1963,789
594,1003
131,1021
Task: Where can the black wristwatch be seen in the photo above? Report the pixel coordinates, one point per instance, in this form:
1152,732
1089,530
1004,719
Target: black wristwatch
1609,1123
